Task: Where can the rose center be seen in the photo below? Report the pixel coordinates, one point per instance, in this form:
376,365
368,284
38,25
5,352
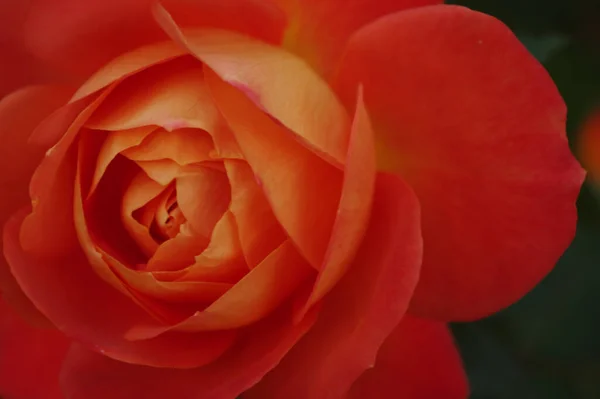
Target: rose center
167,220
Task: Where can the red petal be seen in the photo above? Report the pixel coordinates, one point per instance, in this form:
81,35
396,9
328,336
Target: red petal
20,112
473,122
90,376
588,145
31,358
417,361
79,303
81,37
284,86
364,307
318,30
354,208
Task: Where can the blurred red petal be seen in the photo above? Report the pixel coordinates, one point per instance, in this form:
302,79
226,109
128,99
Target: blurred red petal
588,145
477,128
87,375
417,361
31,358
362,310
20,113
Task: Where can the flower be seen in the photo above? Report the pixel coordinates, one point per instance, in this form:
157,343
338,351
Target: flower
270,199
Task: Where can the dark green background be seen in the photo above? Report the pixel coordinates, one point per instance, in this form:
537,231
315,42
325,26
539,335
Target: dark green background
547,346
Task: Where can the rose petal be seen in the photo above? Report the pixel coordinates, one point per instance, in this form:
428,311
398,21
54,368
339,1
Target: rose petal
364,307
318,30
588,145
79,303
29,353
115,143
417,361
20,112
82,37
203,197
184,146
172,95
284,86
87,375
354,208
259,231
303,189
220,261
252,298
476,126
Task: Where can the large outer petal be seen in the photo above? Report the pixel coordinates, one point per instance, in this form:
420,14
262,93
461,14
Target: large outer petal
31,358
87,375
82,36
275,80
20,112
417,361
476,126
318,30
79,303
363,308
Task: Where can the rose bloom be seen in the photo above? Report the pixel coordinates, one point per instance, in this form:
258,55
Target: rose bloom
588,145
267,199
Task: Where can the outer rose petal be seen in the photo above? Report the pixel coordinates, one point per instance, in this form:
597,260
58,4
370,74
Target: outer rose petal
20,112
417,361
31,358
477,128
87,375
319,29
362,310
282,84
82,36
589,146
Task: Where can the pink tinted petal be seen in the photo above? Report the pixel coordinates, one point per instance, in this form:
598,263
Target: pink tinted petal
303,189
354,208
284,86
364,307
261,291
418,360
172,95
259,231
20,113
87,375
31,358
476,126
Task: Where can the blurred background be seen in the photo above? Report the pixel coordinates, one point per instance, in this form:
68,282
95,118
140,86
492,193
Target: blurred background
547,345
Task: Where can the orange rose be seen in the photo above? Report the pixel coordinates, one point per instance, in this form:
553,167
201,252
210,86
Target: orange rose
216,208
